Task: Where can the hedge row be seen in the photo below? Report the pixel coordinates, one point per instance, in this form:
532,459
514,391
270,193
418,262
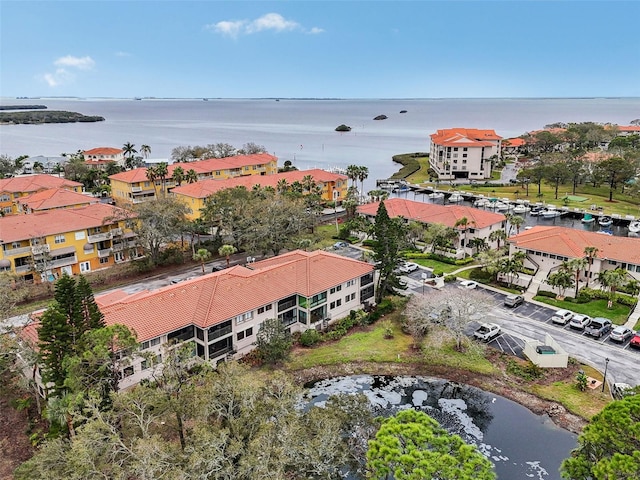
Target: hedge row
585,295
440,258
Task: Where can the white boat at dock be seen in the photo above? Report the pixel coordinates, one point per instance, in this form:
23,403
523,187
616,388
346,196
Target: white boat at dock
521,208
634,227
455,197
436,195
550,212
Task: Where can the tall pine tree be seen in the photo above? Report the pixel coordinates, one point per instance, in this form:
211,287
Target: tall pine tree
390,237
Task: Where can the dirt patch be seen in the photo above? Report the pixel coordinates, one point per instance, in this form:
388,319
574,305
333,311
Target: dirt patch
501,384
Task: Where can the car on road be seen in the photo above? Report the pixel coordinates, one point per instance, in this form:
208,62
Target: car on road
408,267
598,327
621,334
562,317
513,300
579,321
467,285
339,245
487,331
635,341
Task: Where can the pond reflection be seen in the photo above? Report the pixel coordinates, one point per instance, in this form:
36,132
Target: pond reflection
519,443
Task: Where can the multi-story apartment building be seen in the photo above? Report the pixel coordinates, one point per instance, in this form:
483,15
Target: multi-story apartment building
221,313
463,153
332,186
101,155
12,189
52,199
480,223
134,186
43,245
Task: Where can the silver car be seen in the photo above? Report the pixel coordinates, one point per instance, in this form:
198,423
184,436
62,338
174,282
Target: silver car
579,321
621,334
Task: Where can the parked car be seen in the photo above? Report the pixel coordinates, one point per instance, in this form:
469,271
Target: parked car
217,268
467,284
621,390
635,341
579,321
562,317
487,331
513,300
598,327
339,245
621,334
408,267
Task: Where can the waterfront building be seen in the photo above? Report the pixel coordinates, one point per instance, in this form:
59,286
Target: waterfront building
134,186
101,156
43,245
331,186
463,153
480,223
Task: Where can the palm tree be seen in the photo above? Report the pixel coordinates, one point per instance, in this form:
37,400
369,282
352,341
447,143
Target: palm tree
363,174
308,183
296,187
282,186
227,251
612,279
590,253
479,244
129,150
162,171
202,255
464,223
145,150
178,175
352,174
58,169
561,280
574,267
152,176
516,221
498,236
38,167
191,176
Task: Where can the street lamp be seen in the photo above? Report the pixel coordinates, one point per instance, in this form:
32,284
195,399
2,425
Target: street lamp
604,377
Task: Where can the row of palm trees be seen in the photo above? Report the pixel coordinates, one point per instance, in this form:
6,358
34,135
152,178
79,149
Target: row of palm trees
129,151
357,172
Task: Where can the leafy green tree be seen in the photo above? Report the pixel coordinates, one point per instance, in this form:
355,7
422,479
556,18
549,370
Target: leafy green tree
439,235
202,255
226,251
412,446
178,175
389,237
54,335
574,267
616,171
561,280
498,236
612,280
273,341
191,176
609,447
511,266
556,171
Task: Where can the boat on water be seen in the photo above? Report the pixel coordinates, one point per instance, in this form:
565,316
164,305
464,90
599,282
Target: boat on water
605,221
455,197
634,227
520,209
550,212
588,218
605,232
500,206
536,211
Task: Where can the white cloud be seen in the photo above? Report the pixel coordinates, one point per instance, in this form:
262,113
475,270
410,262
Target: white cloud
123,54
271,21
81,63
59,77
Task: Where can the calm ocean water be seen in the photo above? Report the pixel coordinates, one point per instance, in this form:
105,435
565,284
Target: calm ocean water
298,130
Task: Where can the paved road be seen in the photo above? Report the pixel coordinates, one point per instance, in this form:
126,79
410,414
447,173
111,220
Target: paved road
532,321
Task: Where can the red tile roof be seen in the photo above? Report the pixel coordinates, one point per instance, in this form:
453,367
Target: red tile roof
14,228
513,142
431,213
55,198
571,243
103,151
465,137
204,188
629,128
201,166
33,183
220,296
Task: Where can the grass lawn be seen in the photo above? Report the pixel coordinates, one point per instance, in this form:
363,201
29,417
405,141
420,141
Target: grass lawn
439,350
436,265
596,308
363,346
586,404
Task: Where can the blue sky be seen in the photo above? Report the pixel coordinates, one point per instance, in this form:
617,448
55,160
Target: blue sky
346,49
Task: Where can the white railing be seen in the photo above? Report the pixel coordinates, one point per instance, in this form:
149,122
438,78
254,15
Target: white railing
104,253
16,251
136,189
99,237
63,262
39,249
23,268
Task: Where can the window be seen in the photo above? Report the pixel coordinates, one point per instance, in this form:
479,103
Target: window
464,155
335,289
15,245
465,149
127,372
85,267
366,279
287,303
455,149
219,330
217,173
335,304
154,341
104,260
143,365
348,298
183,334
366,293
318,299
244,317
245,334
4,197
266,308
351,283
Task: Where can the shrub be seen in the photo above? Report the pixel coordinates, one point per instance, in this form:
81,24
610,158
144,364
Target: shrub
480,275
545,293
310,337
369,243
449,278
438,272
528,371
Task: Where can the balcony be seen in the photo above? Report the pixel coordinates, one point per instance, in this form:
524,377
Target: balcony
16,251
40,249
63,262
104,253
99,237
221,332
136,189
23,269
218,353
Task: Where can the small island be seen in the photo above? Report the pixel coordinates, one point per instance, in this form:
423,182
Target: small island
381,117
403,111
23,107
343,128
51,116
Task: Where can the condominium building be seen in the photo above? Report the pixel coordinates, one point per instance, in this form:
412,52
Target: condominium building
221,313
99,156
53,199
331,186
43,245
463,153
13,189
135,186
